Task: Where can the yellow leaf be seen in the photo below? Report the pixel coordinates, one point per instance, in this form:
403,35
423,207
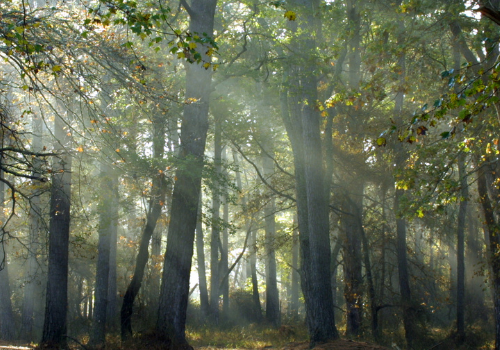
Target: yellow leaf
117,150
181,55
215,66
206,65
56,68
192,45
80,149
290,15
20,30
210,51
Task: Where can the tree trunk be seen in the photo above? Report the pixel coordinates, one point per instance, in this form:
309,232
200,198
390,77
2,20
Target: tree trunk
462,212
400,158
7,322
31,289
224,258
253,273
112,318
54,328
294,309
317,242
107,225
202,274
272,296
156,202
493,233
353,288
174,290
215,272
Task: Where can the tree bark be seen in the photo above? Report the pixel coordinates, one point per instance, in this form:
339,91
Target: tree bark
272,296
312,203
174,290
202,274
462,212
54,328
7,321
107,225
215,235
31,289
493,233
294,307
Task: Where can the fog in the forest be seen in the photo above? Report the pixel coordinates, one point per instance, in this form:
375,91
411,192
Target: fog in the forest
249,174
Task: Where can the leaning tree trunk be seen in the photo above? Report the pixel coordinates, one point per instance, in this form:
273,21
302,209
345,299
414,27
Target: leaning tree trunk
174,292
54,328
156,203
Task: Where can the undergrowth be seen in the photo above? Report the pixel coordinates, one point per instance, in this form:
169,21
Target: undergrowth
252,336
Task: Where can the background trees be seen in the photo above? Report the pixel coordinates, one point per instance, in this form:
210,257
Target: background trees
375,125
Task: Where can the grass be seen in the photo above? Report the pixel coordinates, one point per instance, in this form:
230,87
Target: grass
245,337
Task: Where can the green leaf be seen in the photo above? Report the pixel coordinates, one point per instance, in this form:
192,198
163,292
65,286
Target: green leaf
381,141
445,134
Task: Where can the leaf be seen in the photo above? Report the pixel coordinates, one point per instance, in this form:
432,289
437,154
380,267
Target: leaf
56,68
421,130
292,16
80,149
445,134
381,141
192,45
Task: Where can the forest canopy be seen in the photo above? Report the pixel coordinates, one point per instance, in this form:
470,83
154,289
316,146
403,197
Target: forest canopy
169,168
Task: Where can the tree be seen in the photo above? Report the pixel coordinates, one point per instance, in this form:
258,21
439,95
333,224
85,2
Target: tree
177,263
55,324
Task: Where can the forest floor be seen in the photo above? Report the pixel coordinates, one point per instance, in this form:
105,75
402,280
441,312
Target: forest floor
340,344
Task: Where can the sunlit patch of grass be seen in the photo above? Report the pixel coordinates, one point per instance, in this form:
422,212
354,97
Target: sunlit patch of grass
245,337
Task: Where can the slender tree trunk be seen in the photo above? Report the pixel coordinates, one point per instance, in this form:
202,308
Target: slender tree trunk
215,273
462,213
272,296
112,318
353,290
156,203
224,258
56,307
295,272
401,247
204,304
31,289
107,223
493,235
7,322
371,285
253,272
174,290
